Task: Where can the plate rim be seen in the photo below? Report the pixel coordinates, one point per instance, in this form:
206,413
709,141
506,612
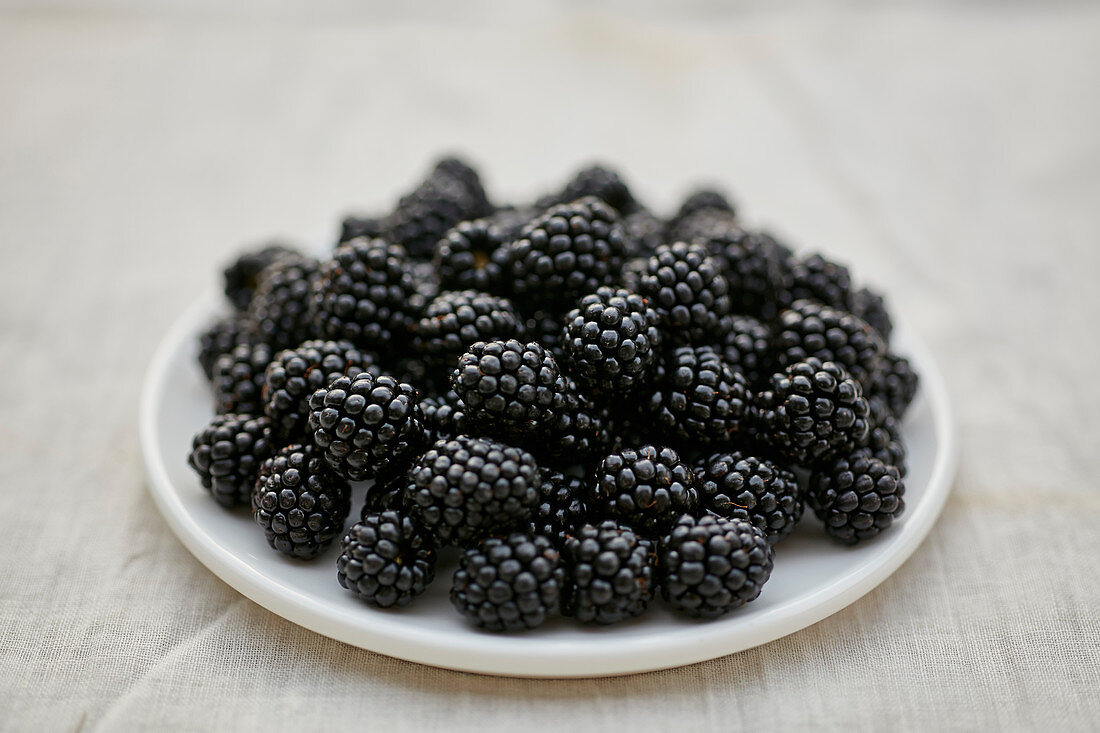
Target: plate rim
498,655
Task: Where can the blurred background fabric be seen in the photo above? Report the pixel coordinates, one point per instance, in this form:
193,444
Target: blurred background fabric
950,151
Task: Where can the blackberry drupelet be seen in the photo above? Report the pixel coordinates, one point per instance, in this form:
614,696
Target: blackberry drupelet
220,338
242,276
809,329
464,256
857,497
598,181
300,503
820,279
612,569
813,412
699,398
569,251
896,383
687,289
295,374
561,506
281,310
227,453
871,308
740,486
364,293
611,340
711,565
646,488
745,344
239,379
509,583
386,560
367,426
465,488
456,319
507,387
444,416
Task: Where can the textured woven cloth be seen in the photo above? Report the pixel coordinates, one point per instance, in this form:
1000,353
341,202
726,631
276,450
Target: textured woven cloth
951,152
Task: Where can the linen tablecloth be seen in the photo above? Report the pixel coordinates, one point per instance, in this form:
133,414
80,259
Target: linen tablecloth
950,150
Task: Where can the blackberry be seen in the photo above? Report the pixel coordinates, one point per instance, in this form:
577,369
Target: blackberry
857,497
896,383
363,294
610,340
366,426
227,453
561,506
386,495
745,344
425,214
461,171
813,412
646,488
581,428
454,320
444,416
299,502
699,398
704,199
386,560
464,256
465,488
220,338
644,233
545,327
612,570
753,264
508,387
740,486
281,311
425,282
598,181
687,289
820,279
356,227
569,251
295,374
884,441
809,329
242,276
711,565
510,583
239,379
871,308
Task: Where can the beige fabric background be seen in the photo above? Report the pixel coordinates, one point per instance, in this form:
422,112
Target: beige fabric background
952,150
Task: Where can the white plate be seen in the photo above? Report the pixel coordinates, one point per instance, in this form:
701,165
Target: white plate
813,576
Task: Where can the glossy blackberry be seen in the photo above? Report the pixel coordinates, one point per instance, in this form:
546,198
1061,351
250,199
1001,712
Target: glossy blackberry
646,488
687,289
386,560
363,295
871,308
456,319
426,213
820,279
508,387
896,382
281,311
711,565
745,344
295,374
809,329
813,412
357,227
299,502
509,583
227,453
444,416
644,233
704,199
598,181
465,488
885,442
698,397
464,256
220,338
561,506
857,497
239,379
242,276
611,340
613,573
755,267
740,486
581,428
386,495
569,251
367,426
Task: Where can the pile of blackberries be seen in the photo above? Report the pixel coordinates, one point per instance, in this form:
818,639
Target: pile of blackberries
593,403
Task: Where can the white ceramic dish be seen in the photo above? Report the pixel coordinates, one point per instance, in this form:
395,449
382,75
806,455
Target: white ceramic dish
813,577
